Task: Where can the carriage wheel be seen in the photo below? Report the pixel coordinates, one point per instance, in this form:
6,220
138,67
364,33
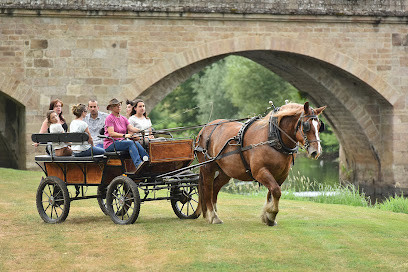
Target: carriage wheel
123,200
185,202
102,200
53,200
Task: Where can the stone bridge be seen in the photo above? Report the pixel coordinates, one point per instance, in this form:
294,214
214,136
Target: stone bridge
349,55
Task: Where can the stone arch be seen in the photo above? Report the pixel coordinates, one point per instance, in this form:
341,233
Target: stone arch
366,155
218,48
14,97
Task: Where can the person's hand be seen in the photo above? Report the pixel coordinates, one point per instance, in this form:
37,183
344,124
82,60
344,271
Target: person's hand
135,137
36,144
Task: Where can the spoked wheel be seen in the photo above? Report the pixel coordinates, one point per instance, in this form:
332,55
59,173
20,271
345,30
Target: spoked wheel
53,200
185,202
123,200
102,200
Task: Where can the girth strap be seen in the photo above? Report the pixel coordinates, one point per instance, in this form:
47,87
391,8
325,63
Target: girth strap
240,140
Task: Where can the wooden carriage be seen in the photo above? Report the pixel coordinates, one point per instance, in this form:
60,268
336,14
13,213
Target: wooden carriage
119,184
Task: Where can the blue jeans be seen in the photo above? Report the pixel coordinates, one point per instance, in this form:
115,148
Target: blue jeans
135,149
87,153
99,145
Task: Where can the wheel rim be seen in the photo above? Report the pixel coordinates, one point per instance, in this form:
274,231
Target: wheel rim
123,202
188,201
52,201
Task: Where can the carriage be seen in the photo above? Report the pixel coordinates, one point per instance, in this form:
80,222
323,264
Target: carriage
261,149
120,187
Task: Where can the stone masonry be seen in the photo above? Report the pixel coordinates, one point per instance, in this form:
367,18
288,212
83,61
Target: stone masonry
348,55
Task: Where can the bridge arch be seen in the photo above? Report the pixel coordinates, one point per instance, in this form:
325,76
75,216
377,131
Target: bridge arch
358,99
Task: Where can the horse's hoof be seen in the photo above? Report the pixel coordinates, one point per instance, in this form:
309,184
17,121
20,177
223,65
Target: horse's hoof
217,221
268,222
271,223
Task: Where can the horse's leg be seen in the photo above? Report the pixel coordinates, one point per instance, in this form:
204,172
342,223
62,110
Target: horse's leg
271,207
219,182
206,192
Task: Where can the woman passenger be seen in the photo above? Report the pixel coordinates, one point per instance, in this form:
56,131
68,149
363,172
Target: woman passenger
139,117
116,126
55,127
78,125
56,106
129,108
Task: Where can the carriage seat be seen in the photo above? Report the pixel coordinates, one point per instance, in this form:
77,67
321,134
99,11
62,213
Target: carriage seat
48,158
51,139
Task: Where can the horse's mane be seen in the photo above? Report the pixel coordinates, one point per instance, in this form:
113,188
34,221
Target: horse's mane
290,109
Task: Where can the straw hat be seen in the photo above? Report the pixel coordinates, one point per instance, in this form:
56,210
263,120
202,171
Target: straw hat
113,102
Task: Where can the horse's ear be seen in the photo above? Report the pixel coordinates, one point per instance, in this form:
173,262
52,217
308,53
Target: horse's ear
320,110
306,107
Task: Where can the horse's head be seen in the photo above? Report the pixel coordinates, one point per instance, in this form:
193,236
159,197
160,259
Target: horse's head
308,128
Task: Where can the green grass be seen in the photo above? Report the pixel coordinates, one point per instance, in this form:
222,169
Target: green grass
309,236
330,194
398,204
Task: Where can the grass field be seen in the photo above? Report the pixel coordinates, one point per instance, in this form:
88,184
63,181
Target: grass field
309,236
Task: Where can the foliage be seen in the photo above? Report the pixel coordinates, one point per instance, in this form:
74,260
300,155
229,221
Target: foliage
251,86
330,144
397,204
212,96
178,108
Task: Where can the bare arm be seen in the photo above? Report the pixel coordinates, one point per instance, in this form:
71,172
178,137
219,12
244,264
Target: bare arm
90,140
44,126
132,129
114,134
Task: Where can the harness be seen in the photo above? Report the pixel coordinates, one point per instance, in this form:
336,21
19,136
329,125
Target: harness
304,126
274,139
240,142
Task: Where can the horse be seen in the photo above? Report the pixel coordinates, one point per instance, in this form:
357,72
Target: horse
230,149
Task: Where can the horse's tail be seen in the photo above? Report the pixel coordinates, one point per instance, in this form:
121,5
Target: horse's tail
200,207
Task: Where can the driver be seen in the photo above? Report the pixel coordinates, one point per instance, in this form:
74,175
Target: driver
116,126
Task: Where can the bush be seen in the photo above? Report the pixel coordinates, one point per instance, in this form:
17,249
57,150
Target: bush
398,204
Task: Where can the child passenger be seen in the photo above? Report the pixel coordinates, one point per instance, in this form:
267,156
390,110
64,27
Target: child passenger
78,125
56,127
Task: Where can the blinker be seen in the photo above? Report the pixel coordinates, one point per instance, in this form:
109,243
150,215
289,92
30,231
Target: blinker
321,128
306,127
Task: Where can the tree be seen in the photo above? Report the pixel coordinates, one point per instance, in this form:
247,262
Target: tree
251,86
211,94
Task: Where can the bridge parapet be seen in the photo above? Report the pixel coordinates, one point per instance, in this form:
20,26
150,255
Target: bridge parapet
284,7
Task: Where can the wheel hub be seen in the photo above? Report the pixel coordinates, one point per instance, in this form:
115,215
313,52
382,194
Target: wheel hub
122,200
51,200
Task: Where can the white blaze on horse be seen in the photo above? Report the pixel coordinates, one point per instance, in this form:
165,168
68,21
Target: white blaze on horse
261,149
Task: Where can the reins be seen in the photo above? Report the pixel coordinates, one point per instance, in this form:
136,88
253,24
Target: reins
197,126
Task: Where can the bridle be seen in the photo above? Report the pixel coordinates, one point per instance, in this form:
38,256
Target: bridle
304,127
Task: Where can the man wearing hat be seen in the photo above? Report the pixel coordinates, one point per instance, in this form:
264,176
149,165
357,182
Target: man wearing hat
117,126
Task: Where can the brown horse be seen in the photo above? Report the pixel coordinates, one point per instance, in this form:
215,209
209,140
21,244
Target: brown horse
218,142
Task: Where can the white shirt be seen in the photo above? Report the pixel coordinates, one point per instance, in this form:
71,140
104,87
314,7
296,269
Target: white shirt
140,123
79,126
95,126
57,128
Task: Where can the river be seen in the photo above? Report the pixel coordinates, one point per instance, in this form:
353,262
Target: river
320,172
